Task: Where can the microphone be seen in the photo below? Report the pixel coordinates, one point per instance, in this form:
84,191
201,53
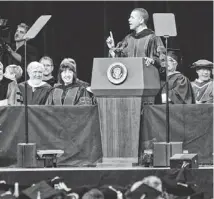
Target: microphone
120,46
161,49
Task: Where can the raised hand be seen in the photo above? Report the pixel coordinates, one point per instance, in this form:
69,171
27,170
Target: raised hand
110,41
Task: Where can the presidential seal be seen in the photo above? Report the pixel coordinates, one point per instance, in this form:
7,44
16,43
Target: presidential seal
117,73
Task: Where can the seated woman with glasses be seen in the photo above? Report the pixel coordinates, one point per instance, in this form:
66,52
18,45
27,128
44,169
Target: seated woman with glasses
69,91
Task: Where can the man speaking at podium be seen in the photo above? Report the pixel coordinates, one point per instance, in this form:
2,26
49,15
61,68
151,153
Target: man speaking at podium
142,42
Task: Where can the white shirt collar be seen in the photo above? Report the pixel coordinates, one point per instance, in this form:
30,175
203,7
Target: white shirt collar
35,86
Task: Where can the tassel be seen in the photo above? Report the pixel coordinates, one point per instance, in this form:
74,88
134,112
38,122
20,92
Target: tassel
16,190
38,195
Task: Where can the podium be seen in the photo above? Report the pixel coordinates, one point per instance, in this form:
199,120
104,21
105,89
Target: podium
122,86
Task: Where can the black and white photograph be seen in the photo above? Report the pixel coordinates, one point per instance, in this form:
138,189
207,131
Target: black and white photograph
106,99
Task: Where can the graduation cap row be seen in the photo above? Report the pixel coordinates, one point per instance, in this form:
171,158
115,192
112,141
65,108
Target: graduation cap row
45,190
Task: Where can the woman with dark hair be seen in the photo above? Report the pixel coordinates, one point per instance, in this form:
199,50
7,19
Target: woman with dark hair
69,91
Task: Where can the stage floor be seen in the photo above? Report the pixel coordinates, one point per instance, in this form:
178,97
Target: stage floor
3,169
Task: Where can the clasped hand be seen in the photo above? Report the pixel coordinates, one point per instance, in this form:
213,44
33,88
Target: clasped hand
149,61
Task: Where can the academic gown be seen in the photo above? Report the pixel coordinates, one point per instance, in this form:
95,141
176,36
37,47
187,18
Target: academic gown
72,94
203,91
4,87
180,89
51,81
142,44
36,97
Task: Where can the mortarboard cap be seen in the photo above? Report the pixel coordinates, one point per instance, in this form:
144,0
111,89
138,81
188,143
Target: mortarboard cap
199,195
46,191
170,183
172,52
202,63
55,180
93,193
8,197
81,190
107,192
175,54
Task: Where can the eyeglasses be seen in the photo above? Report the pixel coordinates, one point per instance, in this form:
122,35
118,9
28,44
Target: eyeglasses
47,65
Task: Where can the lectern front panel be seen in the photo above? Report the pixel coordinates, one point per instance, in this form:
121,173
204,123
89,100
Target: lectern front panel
137,82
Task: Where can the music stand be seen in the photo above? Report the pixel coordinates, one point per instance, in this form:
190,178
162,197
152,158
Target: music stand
31,148
164,25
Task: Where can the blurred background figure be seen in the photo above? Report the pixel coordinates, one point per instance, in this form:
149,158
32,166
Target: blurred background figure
203,85
13,72
7,89
49,67
16,51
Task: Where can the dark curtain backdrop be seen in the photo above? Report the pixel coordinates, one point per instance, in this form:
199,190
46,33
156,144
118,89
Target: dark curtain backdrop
79,29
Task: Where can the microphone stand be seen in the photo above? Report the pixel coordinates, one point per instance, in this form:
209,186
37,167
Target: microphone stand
167,95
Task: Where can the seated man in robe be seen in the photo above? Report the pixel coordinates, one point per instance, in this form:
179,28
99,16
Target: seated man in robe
37,90
179,90
7,89
203,85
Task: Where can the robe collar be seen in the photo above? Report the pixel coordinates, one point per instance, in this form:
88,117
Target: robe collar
141,34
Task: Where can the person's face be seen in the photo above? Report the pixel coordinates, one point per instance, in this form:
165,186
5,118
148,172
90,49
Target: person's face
36,75
10,72
135,20
19,34
67,76
171,64
1,72
48,66
204,74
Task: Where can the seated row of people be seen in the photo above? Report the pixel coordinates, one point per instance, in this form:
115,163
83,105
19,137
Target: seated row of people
68,91
43,88
180,89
